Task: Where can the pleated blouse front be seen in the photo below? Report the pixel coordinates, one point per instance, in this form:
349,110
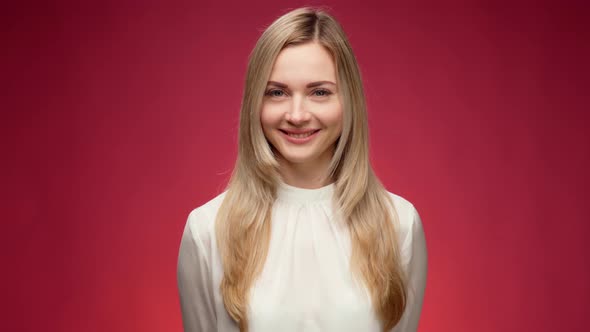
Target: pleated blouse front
306,283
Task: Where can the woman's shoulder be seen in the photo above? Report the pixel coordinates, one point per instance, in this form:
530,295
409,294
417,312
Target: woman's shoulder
201,220
407,216
402,205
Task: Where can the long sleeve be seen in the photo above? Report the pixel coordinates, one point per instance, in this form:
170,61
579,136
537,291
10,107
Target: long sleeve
415,259
195,284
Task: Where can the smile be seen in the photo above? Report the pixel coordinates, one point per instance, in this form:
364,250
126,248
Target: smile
299,137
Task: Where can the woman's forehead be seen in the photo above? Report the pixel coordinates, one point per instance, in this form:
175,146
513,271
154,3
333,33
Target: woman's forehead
303,64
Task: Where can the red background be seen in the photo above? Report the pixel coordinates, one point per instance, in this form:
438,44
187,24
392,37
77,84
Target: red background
121,117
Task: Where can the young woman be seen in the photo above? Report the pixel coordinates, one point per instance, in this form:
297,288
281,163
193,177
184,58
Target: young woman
305,238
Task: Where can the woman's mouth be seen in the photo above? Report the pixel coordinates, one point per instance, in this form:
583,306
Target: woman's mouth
300,136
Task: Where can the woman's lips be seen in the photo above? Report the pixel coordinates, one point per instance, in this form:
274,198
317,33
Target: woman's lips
299,136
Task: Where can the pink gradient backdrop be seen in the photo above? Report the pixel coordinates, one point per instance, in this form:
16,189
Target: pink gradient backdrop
120,117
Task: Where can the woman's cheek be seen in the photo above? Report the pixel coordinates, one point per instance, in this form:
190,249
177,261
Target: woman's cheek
333,114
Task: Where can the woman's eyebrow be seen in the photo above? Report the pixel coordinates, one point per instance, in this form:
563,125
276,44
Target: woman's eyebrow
309,85
318,83
277,84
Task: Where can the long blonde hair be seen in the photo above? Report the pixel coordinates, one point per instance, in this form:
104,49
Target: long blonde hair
244,219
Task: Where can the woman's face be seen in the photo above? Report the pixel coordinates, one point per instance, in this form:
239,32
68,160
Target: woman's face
301,112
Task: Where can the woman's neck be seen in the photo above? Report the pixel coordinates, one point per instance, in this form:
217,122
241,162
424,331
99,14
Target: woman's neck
305,175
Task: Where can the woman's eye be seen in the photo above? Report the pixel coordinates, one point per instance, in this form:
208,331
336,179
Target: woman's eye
321,93
275,93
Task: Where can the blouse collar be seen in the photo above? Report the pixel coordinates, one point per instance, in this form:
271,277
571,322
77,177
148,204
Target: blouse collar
286,192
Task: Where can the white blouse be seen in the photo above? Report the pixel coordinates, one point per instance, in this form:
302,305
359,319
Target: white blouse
306,283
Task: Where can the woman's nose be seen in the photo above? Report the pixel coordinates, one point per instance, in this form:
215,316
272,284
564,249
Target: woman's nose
297,112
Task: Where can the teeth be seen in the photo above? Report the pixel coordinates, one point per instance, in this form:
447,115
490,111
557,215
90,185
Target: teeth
304,135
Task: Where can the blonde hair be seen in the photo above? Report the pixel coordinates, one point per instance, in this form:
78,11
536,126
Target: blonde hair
244,219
